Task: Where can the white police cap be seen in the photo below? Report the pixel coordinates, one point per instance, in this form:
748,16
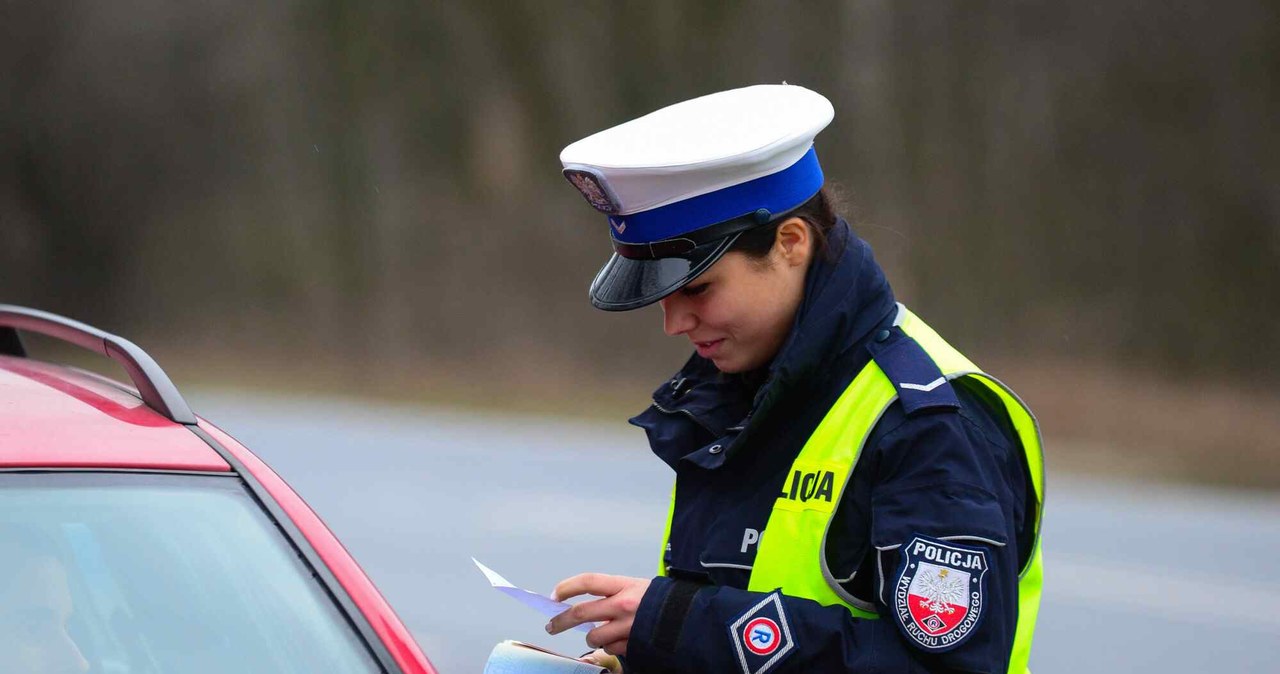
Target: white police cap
679,185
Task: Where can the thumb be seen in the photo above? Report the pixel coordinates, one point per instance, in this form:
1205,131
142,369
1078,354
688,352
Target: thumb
599,657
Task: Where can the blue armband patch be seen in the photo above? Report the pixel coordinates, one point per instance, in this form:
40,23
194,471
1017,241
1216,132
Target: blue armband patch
761,636
919,382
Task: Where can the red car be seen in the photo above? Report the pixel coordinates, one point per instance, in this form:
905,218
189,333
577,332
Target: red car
138,538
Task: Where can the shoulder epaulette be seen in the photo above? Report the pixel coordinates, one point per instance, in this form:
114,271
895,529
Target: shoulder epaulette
919,382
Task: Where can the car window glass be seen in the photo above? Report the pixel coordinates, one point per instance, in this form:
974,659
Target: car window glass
151,574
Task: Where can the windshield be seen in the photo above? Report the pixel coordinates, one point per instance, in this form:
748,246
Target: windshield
155,573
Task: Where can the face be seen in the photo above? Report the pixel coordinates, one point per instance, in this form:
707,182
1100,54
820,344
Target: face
34,610
738,313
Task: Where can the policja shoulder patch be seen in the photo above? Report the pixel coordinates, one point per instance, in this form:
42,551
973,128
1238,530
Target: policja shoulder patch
761,636
939,592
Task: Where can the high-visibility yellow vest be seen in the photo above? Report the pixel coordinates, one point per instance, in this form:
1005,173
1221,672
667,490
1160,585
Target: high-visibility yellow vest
791,556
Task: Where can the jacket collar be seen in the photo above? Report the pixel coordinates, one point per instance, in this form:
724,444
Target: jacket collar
846,297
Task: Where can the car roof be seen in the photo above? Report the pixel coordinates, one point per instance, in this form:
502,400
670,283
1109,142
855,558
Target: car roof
54,416
58,417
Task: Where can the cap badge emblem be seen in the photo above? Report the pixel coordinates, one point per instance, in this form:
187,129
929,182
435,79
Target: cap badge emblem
593,189
619,225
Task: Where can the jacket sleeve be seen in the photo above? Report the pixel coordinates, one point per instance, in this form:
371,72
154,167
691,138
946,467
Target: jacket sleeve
940,476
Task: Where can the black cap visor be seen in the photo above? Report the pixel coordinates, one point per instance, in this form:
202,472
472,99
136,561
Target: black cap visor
626,283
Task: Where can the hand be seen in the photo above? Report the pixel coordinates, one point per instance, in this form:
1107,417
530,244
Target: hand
617,609
602,659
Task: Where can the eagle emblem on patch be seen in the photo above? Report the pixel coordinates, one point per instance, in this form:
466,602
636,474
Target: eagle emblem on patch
939,592
761,636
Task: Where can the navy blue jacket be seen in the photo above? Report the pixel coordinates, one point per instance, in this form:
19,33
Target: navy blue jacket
946,464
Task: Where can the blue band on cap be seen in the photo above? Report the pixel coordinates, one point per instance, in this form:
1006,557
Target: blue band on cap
777,192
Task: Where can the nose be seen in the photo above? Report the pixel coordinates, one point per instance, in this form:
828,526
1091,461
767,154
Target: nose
677,318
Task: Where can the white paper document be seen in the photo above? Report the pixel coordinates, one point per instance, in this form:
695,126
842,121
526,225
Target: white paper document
514,657
540,603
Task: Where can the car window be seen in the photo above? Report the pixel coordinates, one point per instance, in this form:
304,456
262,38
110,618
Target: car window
115,573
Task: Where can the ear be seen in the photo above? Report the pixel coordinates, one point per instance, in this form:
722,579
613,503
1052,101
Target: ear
793,243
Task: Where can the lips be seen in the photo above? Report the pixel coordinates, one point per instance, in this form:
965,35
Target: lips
708,349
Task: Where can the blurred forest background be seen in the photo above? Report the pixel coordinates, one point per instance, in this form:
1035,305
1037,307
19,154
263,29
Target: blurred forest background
365,197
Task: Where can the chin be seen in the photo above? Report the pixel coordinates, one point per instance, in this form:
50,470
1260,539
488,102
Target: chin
729,367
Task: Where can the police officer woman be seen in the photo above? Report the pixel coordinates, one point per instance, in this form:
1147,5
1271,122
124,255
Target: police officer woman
851,493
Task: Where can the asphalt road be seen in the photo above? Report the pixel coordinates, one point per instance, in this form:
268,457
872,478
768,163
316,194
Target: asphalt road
1139,578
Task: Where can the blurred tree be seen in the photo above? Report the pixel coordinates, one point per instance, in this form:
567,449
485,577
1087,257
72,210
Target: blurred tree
1042,179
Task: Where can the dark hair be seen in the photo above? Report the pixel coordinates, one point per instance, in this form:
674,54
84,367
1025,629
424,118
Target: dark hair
819,212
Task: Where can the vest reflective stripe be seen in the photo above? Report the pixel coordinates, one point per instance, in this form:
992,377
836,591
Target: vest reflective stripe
790,552
666,535
791,555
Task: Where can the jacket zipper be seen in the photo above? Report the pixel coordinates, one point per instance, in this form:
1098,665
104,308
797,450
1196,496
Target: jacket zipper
689,414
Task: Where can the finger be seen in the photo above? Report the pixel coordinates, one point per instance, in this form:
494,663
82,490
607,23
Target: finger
610,632
594,656
616,648
601,658
587,611
598,584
